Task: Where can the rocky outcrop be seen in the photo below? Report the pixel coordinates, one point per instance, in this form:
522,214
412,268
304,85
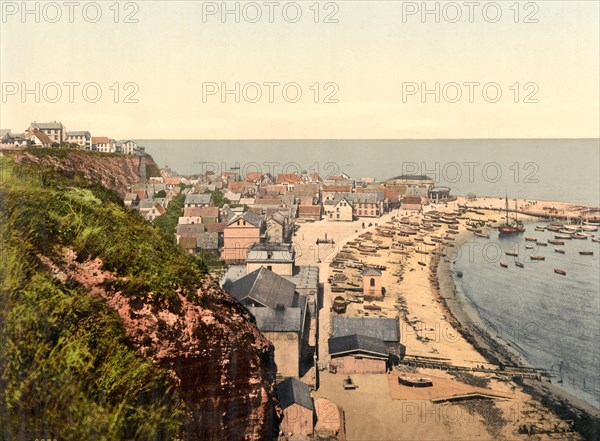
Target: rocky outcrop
115,172
223,365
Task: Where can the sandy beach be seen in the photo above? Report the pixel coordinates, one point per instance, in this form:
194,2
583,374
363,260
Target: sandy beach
441,334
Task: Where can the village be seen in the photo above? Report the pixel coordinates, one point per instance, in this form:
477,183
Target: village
341,275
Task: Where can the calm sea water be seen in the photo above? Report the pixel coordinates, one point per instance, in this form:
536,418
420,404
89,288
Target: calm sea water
552,320
563,170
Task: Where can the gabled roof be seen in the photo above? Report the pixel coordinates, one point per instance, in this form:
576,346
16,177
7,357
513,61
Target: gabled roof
45,126
190,229
386,329
215,227
289,178
251,218
265,287
201,211
371,272
357,343
254,176
411,200
337,188
279,320
291,391
348,197
309,210
44,139
208,241
198,198
100,140
278,217
271,252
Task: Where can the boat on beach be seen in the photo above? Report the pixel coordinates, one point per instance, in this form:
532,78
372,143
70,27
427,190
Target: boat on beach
519,264
531,239
595,240
556,242
538,228
586,253
559,271
558,250
479,234
503,265
529,247
541,244
512,253
537,258
563,236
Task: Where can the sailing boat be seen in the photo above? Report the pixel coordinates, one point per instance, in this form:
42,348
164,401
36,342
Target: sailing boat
511,228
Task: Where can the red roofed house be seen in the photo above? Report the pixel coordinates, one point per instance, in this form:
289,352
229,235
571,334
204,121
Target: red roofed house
208,214
255,177
289,179
330,191
172,182
38,138
413,203
310,212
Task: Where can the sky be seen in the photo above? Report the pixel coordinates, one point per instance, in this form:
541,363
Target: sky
303,70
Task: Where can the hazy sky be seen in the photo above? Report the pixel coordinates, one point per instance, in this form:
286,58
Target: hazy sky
375,61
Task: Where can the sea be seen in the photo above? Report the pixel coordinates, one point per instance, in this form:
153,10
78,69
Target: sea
555,170
553,321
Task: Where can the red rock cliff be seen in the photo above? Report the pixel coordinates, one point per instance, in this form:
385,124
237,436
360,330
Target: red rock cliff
116,172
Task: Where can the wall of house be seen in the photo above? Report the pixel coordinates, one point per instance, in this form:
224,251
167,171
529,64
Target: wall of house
237,240
368,210
283,269
339,213
297,420
287,352
274,232
372,291
351,364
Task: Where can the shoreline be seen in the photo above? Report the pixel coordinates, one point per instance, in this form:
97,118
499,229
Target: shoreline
585,416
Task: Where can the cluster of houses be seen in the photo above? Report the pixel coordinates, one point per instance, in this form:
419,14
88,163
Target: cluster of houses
55,134
260,208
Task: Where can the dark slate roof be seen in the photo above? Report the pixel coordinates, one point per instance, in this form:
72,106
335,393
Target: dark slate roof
291,391
265,287
208,241
381,328
250,217
280,320
371,272
79,133
190,229
198,198
357,343
45,126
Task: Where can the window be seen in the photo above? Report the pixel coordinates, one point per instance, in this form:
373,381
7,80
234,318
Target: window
270,267
372,282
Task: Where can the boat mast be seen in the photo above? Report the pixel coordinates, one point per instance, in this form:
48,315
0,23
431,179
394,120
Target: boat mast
507,209
516,212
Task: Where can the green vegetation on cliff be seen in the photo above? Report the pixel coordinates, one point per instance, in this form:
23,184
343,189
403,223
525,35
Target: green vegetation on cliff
67,370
